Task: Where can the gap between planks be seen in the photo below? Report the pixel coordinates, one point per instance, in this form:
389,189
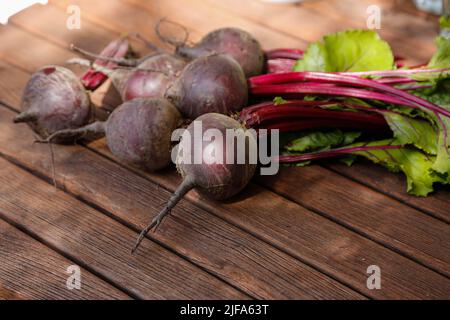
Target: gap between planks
43,255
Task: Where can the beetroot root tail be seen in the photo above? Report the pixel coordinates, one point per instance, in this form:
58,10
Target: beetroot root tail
91,131
183,188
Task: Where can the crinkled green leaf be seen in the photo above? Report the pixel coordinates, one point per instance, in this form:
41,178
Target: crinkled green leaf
441,58
315,58
407,130
320,140
352,50
440,95
416,165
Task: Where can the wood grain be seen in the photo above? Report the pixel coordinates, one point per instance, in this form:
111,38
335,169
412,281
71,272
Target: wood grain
120,16
309,22
436,204
30,270
100,243
226,251
394,224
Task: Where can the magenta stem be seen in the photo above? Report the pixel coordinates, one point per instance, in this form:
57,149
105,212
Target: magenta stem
284,53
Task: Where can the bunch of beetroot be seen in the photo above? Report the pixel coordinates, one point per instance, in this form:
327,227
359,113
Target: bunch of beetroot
211,82
161,93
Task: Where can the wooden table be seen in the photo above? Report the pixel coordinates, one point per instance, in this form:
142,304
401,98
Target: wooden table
308,233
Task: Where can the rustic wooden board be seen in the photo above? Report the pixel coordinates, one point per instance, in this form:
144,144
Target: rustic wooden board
436,204
121,16
310,21
338,241
99,243
30,270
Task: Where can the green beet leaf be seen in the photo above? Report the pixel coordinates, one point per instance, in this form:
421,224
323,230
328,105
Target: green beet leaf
352,50
321,140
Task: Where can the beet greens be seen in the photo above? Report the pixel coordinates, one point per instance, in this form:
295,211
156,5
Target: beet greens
339,84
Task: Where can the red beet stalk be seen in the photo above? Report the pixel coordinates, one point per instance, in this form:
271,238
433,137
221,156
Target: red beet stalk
387,93
301,89
290,112
318,123
284,53
280,65
118,48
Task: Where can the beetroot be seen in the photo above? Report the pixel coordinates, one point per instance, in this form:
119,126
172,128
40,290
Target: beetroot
138,132
54,99
214,83
238,43
213,179
140,83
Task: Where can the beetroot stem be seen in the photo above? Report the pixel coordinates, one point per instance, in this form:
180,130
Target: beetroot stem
289,112
284,53
304,88
343,79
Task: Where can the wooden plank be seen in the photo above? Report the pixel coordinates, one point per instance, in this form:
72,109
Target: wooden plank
383,219
18,46
312,20
406,241
244,261
30,270
305,235
118,15
375,176
99,242
36,19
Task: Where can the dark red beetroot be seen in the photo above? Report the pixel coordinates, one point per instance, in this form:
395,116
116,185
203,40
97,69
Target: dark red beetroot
214,83
238,43
141,84
213,179
54,99
138,132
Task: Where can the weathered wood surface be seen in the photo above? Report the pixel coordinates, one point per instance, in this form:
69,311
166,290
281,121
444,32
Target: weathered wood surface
307,233
31,270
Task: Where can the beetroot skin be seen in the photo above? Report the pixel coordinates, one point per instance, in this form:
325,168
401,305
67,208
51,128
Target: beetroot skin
139,132
238,43
54,99
213,180
216,181
214,83
149,84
